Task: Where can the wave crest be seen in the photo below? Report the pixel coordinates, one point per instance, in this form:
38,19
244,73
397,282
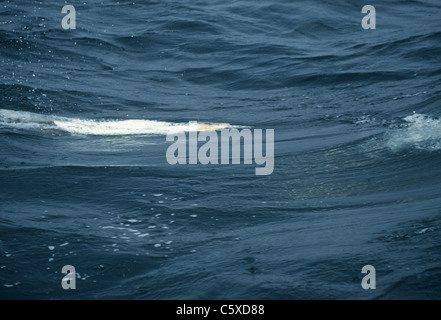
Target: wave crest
420,131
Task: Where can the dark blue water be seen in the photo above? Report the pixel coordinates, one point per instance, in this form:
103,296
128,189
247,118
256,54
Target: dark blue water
357,173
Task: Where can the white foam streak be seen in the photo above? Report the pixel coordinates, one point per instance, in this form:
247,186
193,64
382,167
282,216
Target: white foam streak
32,121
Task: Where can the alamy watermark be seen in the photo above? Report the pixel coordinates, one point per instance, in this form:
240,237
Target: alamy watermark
69,20
369,281
68,281
369,21
208,153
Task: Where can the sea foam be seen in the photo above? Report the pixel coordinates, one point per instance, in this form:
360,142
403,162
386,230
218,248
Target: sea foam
420,132
21,120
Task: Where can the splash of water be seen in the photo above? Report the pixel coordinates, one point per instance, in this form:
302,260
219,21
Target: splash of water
420,132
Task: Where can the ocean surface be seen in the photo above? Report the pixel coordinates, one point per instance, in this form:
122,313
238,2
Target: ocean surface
84,179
